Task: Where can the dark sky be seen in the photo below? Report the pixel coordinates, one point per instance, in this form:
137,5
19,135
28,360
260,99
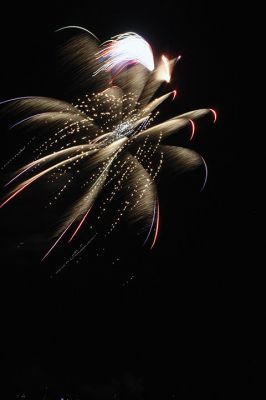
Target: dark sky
189,322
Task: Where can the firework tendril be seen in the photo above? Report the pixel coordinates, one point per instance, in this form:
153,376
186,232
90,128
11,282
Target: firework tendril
106,139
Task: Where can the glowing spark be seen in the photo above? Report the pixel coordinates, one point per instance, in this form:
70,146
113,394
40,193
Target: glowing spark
75,254
18,175
206,174
174,94
16,98
124,50
39,175
157,225
167,75
164,69
24,120
84,247
53,246
79,225
214,114
18,191
193,129
46,158
76,27
152,223
100,138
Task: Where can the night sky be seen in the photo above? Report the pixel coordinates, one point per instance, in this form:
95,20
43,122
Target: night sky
185,320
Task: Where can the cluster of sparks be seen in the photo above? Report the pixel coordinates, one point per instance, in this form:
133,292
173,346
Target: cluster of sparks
106,141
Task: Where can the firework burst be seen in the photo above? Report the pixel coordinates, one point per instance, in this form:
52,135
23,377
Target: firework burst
106,141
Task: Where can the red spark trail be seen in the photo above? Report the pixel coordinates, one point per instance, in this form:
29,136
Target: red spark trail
79,225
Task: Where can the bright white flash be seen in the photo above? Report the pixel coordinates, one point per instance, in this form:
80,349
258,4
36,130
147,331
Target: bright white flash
166,70
123,50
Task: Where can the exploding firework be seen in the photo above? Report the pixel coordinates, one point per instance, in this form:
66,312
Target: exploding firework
106,141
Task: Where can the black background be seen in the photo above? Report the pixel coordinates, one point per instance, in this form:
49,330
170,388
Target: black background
189,324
